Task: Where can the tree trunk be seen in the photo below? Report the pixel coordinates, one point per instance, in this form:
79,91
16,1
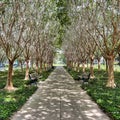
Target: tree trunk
32,64
71,64
83,67
98,64
27,70
106,61
40,66
87,63
50,65
47,66
44,66
9,84
21,66
91,68
75,66
67,63
13,72
78,67
119,59
37,66
111,81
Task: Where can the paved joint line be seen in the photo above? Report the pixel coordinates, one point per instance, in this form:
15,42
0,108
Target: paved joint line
60,104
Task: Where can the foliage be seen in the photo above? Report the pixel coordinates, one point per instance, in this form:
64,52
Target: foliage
107,98
63,18
62,12
12,101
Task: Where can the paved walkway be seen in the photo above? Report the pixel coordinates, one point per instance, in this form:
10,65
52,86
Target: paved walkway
60,98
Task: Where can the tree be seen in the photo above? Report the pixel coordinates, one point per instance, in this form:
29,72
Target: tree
12,27
104,19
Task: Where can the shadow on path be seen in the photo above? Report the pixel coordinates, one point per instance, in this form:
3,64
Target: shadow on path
59,98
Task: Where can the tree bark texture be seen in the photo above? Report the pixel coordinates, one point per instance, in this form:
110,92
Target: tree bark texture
41,66
91,68
83,67
9,84
27,70
98,64
37,66
111,81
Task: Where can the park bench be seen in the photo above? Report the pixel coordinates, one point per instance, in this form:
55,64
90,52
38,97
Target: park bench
33,79
85,77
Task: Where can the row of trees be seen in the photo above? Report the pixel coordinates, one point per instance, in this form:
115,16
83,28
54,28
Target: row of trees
29,29
95,32
27,34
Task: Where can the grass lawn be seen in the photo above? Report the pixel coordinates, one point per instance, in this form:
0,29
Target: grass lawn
12,101
107,98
